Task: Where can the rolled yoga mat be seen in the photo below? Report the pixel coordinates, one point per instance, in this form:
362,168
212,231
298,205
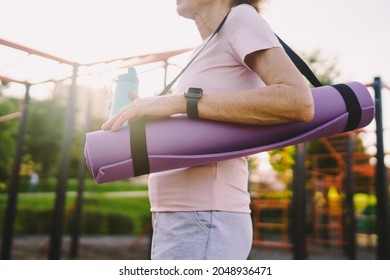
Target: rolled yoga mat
178,142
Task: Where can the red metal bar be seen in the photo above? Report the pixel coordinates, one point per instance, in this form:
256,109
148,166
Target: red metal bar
143,59
127,61
33,51
11,80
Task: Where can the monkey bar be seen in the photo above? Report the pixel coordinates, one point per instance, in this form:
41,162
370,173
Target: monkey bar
17,56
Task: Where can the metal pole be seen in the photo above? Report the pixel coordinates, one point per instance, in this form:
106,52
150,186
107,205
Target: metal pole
10,212
299,205
59,208
382,192
76,219
165,73
349,211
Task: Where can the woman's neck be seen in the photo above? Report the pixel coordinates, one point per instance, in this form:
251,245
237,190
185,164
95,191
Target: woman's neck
209,20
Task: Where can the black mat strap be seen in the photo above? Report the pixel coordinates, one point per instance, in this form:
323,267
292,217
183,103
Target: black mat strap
300,64
353,106
138,148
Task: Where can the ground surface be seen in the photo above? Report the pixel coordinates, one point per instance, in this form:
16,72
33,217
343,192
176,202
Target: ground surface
132,248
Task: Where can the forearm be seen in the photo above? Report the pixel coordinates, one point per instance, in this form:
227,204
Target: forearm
265,106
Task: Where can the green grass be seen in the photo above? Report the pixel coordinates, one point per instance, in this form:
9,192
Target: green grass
50,185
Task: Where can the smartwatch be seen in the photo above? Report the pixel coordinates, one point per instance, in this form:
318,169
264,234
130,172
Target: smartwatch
193,95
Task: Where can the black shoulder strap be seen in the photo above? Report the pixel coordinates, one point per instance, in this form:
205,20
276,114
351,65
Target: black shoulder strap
169,86
351,101
300,64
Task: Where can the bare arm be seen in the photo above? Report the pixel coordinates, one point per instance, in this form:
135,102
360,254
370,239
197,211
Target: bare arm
286,98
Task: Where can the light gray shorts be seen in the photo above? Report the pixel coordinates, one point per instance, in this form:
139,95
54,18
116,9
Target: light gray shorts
208,235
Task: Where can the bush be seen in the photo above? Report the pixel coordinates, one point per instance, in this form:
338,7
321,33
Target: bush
101,213
92,223
99,223
119,224
34,221
38,221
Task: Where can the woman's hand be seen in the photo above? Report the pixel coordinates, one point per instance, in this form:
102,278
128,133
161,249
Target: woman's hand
153,107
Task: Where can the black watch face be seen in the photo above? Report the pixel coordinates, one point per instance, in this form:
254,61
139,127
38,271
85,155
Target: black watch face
194,92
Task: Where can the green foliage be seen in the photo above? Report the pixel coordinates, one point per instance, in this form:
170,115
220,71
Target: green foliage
282,160
365,208
135,208
43,141
44,134
119,224
317,147
92,222
363,201
42,138
8,134
253,162
323,67
31,220
38,221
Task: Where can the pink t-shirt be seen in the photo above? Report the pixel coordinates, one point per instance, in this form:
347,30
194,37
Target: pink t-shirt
222,186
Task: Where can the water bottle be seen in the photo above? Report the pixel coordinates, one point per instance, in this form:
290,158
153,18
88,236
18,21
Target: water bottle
123,84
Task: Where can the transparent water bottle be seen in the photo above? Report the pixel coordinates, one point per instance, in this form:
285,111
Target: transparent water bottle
123,84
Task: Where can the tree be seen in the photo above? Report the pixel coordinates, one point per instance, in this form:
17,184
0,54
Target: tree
282,160
8,133
44,134
323,67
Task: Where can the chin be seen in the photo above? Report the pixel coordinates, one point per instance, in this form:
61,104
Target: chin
183,9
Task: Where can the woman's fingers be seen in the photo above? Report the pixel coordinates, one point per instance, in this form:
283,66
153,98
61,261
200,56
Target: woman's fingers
151,107
108,124
133,94
116,121
121,120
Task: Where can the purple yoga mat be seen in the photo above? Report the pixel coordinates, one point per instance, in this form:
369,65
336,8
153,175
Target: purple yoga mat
178,142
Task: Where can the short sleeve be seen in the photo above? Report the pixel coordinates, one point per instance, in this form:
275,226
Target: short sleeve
249,32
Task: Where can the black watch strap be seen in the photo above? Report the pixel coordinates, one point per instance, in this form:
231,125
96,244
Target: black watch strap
193,95
192,107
